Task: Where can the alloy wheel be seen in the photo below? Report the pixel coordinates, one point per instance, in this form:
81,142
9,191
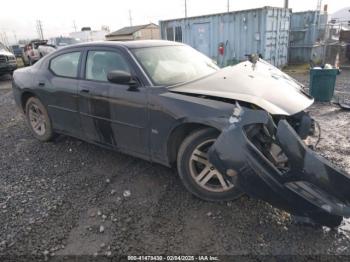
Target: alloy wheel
204,173
37,119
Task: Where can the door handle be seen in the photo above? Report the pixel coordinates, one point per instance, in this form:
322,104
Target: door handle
84,91
41,84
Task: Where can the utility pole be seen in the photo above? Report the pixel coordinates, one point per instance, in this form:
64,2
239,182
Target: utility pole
4,38
74,26
185,8
130,17
228,5
39,28
14,36
319,5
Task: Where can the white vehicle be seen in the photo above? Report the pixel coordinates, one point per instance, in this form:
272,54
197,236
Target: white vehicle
55,43
31,52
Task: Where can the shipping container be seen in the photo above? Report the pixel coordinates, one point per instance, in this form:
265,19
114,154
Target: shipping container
228,37
307,37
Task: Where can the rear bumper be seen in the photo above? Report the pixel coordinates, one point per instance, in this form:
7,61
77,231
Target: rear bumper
310,186
17,96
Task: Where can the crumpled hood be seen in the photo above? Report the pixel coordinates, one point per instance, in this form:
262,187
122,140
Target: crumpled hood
263,85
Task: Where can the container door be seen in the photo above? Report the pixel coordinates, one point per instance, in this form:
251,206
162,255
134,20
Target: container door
201,37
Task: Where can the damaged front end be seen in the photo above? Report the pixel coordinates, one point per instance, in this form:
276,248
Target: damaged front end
268,160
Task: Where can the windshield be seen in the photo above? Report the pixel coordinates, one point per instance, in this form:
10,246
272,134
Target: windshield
170,65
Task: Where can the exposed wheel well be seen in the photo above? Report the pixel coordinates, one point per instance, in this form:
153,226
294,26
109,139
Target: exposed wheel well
178,135
24,98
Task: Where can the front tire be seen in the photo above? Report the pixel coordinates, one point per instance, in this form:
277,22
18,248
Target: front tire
38,120
197,174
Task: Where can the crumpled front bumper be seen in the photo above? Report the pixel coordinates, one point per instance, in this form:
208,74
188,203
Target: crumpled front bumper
309,186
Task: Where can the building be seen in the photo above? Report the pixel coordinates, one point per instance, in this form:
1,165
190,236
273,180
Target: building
138,32
228,37
342,17
88,35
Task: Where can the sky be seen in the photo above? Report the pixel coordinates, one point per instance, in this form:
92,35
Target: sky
58,17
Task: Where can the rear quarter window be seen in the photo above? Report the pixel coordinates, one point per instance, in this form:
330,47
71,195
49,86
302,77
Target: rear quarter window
65,65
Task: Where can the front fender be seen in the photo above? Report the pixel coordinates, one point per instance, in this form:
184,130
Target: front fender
309,186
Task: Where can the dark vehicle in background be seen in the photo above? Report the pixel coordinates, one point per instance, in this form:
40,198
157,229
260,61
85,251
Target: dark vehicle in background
17,50
31,52
8,62
55,43
228,131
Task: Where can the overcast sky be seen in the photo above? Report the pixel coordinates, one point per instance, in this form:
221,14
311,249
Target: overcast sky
18,17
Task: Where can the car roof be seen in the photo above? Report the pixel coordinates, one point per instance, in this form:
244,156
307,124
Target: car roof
127,44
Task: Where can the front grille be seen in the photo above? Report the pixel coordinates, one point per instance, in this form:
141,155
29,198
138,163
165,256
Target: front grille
11,58
3,59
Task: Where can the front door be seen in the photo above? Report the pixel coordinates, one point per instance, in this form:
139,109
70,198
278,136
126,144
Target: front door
112,114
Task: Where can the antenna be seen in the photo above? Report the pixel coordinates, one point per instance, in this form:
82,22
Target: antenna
185,8
130,17
74,26
228,5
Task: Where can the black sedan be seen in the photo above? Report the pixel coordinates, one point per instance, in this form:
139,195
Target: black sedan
231,130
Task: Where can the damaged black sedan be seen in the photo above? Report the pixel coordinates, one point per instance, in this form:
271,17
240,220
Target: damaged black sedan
229,131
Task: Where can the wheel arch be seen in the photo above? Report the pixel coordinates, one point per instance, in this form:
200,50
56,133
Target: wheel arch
24,98
177,136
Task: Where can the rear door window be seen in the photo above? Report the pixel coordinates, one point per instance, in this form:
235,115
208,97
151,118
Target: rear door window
66,65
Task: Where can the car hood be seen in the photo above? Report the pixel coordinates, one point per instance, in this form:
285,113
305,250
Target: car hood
4,52
260,84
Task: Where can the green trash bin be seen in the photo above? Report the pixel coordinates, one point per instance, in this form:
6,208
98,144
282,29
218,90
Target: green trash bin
322,83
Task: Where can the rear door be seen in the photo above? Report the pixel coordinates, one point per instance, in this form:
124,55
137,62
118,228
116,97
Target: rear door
112,114
60,88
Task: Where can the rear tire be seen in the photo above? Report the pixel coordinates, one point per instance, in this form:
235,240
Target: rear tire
38,120
197,174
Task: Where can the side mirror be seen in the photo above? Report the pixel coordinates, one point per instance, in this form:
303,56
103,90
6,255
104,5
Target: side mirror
122,78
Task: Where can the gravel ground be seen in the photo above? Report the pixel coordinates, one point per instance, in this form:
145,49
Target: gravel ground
68,197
